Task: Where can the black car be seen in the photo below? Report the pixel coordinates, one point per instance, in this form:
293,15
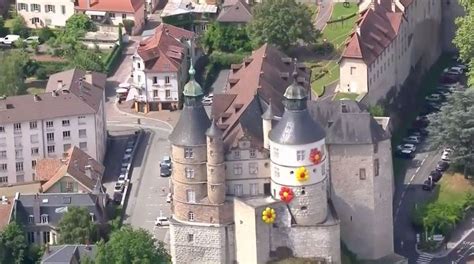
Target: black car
436,175
442,166
421,131
405,154
428,184
165,171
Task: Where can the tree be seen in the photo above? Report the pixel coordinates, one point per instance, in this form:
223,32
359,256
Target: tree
129,245
453,126
3,29
12,75
76,227
14,244
45,34
78,24
282,23
88,60
128,25
464,38
226,38
19,27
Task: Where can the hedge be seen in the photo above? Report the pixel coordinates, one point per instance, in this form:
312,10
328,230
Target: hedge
113,58
224,60
342,18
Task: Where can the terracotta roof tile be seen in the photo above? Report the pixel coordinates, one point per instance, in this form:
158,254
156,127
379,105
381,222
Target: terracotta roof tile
47,168
127,6
235,11
5,212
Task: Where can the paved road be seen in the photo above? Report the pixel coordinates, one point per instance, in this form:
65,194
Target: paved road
461,254
324,14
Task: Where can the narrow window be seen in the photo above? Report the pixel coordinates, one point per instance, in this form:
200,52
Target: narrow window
362,175
376,167
300,155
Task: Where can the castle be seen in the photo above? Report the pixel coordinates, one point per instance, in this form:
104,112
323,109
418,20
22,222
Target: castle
275,174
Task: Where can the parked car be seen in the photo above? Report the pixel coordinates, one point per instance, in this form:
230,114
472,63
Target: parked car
448,79
442,166
412,140
446,153
130,143
410,147
207,101
405,154
119,187
9,39
169,198
436,175
121,179
428,184
165,162
421,131
128,150
165,171
117,197
461,66
162,221
32,39
433,98
453,71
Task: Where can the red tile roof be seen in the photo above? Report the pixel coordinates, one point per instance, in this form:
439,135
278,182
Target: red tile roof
235,11
376,29
126,6
164,51
5,212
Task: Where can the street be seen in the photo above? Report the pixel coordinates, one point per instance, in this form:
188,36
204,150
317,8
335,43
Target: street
461,254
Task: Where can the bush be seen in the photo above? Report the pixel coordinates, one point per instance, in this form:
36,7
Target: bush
113,58
41,74
51,67
128,25
19,27
376,110
222,59
45,34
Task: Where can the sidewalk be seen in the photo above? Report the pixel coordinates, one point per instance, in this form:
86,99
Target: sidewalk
164,116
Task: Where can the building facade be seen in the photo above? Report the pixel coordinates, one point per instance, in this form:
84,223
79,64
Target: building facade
160,68
191,15
391,39
291,187
70,113
45,13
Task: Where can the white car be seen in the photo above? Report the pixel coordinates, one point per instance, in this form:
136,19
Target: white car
453,71
433,98
169,198
207,101
9,39
410,147
128,150
32,39
162,221
446,153
412,140
121,179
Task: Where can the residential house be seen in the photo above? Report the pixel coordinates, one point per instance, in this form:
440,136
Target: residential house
189,14
68,254
70,113
160,68
46,13
40,214
75,172
391,38
113,12
236,12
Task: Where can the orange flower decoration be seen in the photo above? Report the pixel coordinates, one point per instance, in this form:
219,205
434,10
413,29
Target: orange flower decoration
286,194
315,156
302,174
269,215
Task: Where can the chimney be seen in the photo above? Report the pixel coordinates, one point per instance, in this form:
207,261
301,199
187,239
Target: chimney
88,171
394,6
36,98
36,208
60,84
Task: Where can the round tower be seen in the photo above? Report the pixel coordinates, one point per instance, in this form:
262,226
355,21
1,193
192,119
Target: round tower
215,165
298,160
189,153
267,118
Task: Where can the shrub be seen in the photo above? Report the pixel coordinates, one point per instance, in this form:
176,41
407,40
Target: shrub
128,25
222,59
41,74
19,27
45,34
376,110
113,58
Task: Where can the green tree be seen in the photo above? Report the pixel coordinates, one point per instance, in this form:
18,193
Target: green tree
128,25
14,244
226,38
77,25
128,245
453,126
88,60
12,75
376,110
76,227
282,23
19,27
3,29
464,39
45,34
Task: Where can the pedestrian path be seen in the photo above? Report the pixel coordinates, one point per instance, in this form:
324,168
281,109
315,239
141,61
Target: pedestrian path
424,258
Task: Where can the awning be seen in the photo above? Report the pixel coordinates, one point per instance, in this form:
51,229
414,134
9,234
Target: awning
121,90
124,85
95,13
131,94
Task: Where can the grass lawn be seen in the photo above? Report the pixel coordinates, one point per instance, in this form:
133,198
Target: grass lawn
453,188
35,90
351,96
331,76
337,33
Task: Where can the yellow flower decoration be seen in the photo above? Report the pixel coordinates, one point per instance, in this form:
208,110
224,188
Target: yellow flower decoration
268,215
302,174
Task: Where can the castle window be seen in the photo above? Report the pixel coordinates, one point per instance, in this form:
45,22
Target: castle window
253,167
362,175
237,154
376,167
189,173
300,155
188,153
275,152
303,191
304,208
253,153
190,237
376,147
276,170
191,196
238,190
253,188
238,169
190,216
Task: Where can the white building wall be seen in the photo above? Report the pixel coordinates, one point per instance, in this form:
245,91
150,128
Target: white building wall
51,19
353,74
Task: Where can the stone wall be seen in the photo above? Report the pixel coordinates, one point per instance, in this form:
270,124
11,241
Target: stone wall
204,212
201,244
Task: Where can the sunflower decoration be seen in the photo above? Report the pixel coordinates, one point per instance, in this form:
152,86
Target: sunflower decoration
286,194
315,156
268,215
302,174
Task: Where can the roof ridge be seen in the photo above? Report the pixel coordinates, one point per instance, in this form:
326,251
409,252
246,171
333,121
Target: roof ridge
62,247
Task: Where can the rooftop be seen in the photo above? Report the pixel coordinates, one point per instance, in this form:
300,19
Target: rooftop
235,11
68,254
127,6
178,7
66,95
5,212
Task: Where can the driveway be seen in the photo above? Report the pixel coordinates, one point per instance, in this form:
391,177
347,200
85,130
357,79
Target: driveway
324,14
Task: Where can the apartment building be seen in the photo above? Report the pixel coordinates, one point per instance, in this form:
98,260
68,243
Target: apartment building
391,38
70,113
45,13
113,12
159,68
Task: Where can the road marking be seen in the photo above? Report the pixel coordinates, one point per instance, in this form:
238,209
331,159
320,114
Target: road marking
423,161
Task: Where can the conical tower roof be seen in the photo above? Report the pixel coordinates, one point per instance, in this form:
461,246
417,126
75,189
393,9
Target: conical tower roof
214,131
192,88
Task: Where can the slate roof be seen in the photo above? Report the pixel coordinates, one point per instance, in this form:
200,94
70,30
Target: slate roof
347,122
375,30
70,101
72,164
262,77
164,51
55,205
126,6
235,11
67,254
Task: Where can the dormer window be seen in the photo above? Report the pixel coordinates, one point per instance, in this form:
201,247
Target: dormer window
253,153
92,217
237,154
31,219
44,219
